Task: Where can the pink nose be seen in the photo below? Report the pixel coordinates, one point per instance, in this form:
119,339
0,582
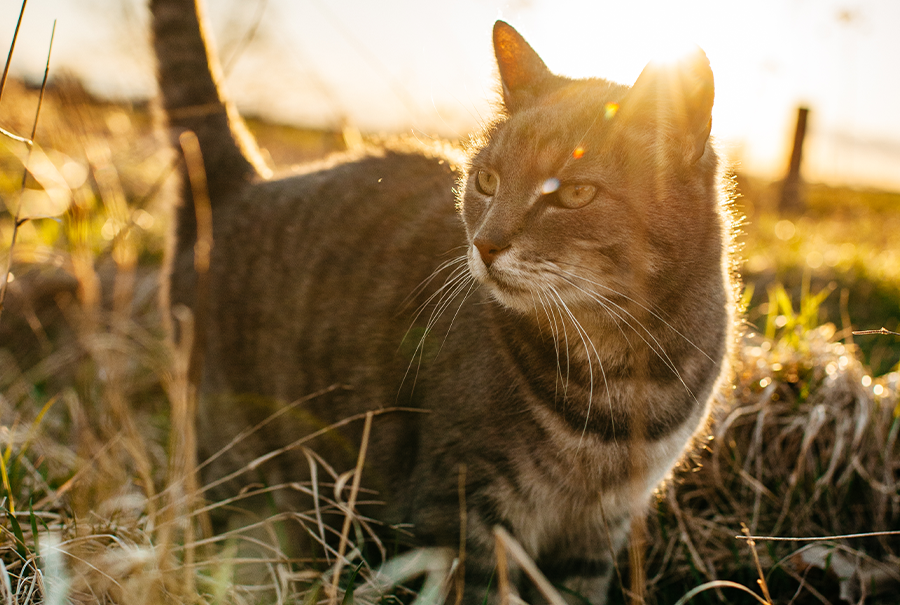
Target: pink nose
489,251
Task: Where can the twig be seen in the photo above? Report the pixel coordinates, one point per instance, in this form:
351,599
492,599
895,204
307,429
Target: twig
884,331
818,538
17,220
351,503
502,568
463,526
636,546
718,584
12,47
515,550
244,434
15,137
762,578
202,251
301,441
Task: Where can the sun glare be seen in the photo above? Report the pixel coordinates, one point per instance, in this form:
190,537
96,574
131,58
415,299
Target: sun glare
670,49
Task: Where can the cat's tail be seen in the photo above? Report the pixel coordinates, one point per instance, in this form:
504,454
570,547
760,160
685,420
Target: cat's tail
189,75
189,78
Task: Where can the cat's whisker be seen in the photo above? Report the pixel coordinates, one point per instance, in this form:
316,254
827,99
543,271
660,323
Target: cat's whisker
660,352
642,306
473,286
449,282
554,328
552,336
554,333
566,345
448,293
585,339
458,260
454,285
618,327
593,123
424,283
447,299
461,281
606,303
450,289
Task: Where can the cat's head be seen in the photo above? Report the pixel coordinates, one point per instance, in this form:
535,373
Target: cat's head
586,187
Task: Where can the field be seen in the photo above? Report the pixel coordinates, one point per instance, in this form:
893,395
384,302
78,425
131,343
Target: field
98,484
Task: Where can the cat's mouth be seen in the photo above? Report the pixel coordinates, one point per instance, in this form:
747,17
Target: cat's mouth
505,282
510,285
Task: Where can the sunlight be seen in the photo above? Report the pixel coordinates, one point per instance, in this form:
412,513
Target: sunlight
669,48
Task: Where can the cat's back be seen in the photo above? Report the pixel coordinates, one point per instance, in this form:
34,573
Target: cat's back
350,241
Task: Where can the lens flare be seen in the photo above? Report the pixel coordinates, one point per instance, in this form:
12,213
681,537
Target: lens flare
609,111
578,153
549,186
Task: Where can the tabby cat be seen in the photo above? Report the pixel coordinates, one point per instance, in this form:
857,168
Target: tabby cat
543,319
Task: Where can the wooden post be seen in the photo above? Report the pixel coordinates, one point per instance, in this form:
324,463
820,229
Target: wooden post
792,201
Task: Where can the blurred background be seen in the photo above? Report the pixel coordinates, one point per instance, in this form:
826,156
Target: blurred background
427,67
306,73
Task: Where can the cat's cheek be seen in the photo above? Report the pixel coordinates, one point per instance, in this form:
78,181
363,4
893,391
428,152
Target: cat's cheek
472,209
476,266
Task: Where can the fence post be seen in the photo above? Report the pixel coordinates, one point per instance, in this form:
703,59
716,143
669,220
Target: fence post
792,201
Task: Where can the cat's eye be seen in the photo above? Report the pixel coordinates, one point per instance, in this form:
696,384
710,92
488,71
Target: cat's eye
575,196
486,182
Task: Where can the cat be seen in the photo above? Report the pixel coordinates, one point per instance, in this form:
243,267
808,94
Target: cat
540,321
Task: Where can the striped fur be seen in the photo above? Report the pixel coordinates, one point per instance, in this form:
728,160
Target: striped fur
563,356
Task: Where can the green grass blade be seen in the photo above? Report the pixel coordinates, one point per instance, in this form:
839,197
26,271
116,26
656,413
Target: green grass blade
34,532
312,597
348,594
21,547
6,486
32,430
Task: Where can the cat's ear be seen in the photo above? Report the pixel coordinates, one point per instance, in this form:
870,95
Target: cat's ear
679,95
523,75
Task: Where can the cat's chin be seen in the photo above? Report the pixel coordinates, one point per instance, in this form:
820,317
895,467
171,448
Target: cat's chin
519,301
502,286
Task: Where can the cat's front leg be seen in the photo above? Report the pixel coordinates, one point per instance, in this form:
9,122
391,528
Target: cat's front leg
578,581
581,563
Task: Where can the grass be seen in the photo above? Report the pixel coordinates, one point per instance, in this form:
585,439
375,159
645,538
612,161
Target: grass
98,498
848,242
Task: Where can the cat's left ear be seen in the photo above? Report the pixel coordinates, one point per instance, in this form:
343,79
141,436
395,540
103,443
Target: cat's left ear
679,94
523,75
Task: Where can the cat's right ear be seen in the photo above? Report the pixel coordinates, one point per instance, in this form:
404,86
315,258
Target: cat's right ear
678,96
523,74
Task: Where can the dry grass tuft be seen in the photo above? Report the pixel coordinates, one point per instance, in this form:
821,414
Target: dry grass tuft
806,448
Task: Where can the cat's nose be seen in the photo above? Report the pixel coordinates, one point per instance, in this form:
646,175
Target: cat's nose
489,251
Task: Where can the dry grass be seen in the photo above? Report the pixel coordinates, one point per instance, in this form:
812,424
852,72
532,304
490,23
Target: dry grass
99,494
806,448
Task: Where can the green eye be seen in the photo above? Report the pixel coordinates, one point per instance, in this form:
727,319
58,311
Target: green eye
575,196
486,182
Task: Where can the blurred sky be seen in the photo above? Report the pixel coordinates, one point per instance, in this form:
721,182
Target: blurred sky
393,65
